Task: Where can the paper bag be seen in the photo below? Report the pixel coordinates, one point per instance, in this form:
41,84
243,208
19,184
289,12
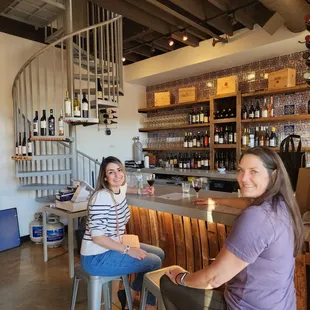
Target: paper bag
303,190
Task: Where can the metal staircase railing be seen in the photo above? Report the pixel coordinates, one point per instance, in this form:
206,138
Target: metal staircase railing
74,63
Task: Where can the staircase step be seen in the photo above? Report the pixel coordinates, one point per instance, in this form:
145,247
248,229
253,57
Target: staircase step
92,78
25,174
105,90
42,186
91,66
51,138
55,36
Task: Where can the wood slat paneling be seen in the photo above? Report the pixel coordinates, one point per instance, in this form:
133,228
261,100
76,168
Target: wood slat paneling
179,241
154,227
204,243
190,264
196,244
301,282
213,242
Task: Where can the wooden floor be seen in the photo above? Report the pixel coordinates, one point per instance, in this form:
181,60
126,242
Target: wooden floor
27,283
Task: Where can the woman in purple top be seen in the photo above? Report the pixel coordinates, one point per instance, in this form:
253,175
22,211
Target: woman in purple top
258,260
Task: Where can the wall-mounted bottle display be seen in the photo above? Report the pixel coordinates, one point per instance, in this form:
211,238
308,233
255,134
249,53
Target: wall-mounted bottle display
196,160
51,124
225,160
256,110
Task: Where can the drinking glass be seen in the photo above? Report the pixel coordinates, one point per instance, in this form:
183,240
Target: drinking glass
150,178
186,187
197,185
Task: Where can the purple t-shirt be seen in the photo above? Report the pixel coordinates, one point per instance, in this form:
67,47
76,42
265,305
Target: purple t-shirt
264,238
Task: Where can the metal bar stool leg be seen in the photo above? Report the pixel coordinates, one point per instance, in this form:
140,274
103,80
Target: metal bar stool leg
144,293
74,292
127,291
107,292
94,293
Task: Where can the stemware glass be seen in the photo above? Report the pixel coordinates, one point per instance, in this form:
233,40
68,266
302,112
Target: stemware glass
150,178
197,185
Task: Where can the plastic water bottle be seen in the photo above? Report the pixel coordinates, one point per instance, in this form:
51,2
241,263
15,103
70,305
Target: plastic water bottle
139,178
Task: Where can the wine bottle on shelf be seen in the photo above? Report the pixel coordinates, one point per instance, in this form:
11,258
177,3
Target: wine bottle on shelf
190,140
16,148
36,124
262,137
267,139
216,136
24,146
190,118
244,138
206,116
29,145
271,108
251,111
244,113
76,106
221,136
61,130
273,141
99,90
226,135
85,107
265,109
198,140
194,140
257,113
185,143
309,107
68,107
256,137
19,143
230,136
109,122
107,111
109,116
51,124
201,115
43,124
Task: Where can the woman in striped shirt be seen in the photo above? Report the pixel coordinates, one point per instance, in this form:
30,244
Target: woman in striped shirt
102,251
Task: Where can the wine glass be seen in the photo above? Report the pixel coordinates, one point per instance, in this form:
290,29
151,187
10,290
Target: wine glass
197,185
150,178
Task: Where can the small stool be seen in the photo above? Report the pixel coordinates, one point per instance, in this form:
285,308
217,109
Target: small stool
95,284
151,284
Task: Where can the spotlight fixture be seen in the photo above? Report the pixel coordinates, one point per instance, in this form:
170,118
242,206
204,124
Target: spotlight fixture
185,37
153,49
123,59
171,42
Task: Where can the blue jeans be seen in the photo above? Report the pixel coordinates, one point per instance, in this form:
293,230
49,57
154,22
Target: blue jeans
112,263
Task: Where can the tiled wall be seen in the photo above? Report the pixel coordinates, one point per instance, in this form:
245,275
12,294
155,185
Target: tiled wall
206,87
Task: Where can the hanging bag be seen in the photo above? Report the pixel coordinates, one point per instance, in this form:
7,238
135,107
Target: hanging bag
292,157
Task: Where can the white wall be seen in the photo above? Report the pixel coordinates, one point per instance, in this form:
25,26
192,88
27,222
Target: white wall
14,52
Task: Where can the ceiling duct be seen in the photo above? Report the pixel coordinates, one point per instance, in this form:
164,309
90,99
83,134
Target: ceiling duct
292,11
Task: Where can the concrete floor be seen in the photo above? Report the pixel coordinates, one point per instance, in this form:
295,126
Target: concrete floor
27,283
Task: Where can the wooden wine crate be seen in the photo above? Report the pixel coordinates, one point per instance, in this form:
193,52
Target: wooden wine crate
282,79
187,94
162,98
227,84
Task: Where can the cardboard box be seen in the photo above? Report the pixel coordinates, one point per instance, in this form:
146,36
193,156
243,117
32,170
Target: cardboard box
303,190
227,85
282,79
162,98
71,206
187,94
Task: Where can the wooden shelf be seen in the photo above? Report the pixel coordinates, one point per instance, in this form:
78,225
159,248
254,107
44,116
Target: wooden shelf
222,96
173,106
20,157
224,146
298,117
174,127
189,149
225,120
51,138
277,149
81,121
269,92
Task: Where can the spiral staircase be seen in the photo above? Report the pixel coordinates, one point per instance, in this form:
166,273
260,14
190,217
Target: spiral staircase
72,63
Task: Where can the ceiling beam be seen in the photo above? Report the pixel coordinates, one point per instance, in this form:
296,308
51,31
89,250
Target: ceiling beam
184,18
141,50
139,35
240,15
133,57
195,7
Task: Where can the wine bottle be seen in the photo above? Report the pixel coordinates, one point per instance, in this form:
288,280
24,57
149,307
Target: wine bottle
216,136
85,106
108,111
244,113
194,140
43,124
265,109
99,90
206,116
29,145
61,130
273,138
16,148
221,136
271,108
24,146
252,112
109,122
201,115
20,143
185,144
198,140
257,110
206,140
68,107
109,116
190,140
51,124
76,106
36,124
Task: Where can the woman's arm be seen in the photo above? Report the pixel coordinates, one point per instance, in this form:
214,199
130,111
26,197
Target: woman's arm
234,202
224,268
149,190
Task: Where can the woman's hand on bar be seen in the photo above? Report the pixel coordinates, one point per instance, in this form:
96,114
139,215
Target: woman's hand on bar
149,190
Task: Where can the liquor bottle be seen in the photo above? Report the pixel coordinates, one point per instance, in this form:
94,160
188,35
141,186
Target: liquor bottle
271,108
51,124
216,136
76,106
251,111
206,139
36,124
244,112
43,124
198,140
85,107
185,143
194,140
190,140
221,136
20,144
61,130
273,141
109,122
265,109
24,146
29,145
206,116
201,115
171,161
68,107
221,160
257,113
226,161
230,136
99,90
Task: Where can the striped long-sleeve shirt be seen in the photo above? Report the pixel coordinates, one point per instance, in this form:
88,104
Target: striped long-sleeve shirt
102,220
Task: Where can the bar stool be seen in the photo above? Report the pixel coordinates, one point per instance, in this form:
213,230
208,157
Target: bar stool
95,284
151,284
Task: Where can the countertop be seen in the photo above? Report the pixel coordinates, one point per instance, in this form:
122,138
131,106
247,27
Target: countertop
184,206
213,175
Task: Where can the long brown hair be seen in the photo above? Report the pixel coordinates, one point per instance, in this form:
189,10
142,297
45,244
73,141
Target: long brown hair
102,182
279,186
